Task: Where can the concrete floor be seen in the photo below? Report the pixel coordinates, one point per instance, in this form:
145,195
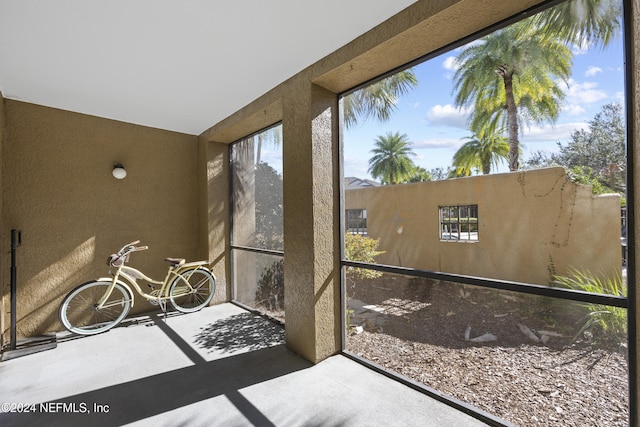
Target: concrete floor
221,366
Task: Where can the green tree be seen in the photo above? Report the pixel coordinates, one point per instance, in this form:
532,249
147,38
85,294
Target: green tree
420,174
439,174
512,75
269,209
391,162
538,159
377,100
586,176
483,150
600,148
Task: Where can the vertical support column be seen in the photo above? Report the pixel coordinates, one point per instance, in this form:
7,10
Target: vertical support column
311,203
215,215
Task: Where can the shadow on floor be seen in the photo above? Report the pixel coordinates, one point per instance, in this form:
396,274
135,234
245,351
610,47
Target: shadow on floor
265,357
218,367
240,332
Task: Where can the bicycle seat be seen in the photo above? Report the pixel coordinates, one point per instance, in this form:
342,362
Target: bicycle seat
175,262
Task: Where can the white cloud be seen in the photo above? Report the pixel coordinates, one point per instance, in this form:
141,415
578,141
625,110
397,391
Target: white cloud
592,71
436,143
451,63
448,115
557,133
573,109
354,166
584,93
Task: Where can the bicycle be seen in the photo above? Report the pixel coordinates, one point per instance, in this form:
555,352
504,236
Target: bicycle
99,305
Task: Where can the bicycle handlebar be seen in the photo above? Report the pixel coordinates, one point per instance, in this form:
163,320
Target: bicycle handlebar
128,246
122,256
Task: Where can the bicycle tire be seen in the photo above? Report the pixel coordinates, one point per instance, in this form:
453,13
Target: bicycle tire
186,300
78,312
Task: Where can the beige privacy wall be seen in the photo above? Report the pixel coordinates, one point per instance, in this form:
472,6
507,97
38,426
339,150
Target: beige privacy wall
58,189
531,225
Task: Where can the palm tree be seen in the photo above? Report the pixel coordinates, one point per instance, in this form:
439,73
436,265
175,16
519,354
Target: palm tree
377,100
582,22
390,161
483,150
514,70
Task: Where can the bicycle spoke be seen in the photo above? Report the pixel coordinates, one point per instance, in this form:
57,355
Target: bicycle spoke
79,312
192,290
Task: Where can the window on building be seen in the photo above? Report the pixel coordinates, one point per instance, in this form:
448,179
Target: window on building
356,221
459,223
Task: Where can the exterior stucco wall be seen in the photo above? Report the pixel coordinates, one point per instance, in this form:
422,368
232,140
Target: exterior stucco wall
58,189
531,225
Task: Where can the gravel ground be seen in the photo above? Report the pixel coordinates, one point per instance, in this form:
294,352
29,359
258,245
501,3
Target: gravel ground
508,355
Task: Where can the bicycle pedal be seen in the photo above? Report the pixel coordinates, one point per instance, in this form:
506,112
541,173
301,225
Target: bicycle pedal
155,293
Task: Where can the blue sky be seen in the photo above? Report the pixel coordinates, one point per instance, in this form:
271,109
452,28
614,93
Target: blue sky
436,127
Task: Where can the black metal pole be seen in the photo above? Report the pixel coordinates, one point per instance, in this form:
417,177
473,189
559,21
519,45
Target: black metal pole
16,240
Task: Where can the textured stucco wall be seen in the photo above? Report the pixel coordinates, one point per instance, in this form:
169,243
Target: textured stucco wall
58,189
531,225
311,246
213,232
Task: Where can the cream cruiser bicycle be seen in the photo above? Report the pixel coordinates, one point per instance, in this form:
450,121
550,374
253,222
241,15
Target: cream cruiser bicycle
99,305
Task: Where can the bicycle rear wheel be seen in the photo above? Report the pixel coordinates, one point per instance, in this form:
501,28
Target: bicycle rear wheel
79,313
195,295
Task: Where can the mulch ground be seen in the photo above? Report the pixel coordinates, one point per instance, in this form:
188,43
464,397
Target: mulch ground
510,355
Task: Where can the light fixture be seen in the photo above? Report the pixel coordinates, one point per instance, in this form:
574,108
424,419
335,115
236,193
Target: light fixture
118,171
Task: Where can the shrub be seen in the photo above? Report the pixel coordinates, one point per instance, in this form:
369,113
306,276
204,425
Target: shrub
607,324
270,291
363,249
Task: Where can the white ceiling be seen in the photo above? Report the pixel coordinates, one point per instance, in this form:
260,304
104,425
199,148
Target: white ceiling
180,65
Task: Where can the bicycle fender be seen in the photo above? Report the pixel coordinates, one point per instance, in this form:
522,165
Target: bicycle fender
190,265
123,284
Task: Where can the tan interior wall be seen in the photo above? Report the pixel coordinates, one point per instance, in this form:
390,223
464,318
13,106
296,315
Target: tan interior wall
532,225
58,189
215,215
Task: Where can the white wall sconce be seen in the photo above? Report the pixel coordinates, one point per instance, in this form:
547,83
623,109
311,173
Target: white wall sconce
118,171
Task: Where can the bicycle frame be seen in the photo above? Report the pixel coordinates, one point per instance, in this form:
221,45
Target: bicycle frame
130,276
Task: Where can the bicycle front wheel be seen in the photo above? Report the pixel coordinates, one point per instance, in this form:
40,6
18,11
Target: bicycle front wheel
79,312
192,290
